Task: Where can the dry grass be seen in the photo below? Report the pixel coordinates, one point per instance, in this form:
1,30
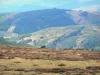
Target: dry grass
29,61
22,63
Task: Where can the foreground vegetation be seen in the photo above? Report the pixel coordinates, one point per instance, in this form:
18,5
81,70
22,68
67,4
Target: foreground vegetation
29,61
20,66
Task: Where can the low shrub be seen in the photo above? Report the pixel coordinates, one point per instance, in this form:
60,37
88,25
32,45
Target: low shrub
61,64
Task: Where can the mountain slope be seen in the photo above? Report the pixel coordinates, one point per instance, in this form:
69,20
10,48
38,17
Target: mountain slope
4,42
31,21
69,37
88,38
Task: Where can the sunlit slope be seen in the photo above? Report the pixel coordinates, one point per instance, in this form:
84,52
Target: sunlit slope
69,37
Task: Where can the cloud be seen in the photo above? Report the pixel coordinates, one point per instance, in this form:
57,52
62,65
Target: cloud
14,5
89,8
12,2
5,2
84,0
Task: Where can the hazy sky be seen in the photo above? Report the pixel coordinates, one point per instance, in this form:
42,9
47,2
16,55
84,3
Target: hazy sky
26,5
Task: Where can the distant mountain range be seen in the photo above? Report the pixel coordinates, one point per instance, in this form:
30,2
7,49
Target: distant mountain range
52,28
31,21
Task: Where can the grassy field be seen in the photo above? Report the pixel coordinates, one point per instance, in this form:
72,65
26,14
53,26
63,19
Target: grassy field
29,61
20,66
23,63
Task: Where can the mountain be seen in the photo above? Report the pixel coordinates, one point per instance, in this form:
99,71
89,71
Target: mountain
67,37
51,28
32,21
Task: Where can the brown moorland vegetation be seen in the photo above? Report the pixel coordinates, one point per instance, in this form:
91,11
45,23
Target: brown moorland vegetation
32,61
8,52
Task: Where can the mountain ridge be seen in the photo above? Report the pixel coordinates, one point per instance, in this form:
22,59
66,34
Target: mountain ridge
32,21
